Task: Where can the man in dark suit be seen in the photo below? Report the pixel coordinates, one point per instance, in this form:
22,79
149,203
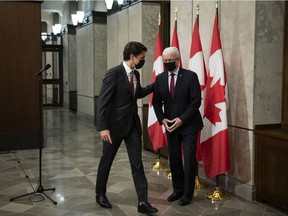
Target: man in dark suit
118,120
179,91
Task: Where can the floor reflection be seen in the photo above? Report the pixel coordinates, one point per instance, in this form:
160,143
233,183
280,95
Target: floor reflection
69,164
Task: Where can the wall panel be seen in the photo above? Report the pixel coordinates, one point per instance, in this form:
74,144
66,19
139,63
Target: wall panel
20,59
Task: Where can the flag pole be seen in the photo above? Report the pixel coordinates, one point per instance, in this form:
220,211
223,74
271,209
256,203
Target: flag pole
198,184
175,14
217,195
197,13
158,164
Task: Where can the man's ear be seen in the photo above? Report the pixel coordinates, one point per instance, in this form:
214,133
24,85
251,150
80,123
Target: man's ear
131,56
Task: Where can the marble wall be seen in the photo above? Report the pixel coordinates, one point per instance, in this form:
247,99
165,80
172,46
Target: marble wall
268,62
100,55
69,65
139,22
86,6
69,7
252,40
85,73
91,64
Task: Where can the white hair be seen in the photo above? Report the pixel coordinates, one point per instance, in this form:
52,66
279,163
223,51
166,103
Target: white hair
171,50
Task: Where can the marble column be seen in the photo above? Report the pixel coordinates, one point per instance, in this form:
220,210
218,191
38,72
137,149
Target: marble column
91,60
69,63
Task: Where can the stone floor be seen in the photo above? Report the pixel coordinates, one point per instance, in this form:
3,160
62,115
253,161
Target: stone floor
69,164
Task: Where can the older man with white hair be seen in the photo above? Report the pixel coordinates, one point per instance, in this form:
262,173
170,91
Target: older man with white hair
179,91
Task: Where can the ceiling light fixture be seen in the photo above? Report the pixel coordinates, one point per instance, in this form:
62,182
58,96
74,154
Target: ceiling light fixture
109,4
80,16
56,29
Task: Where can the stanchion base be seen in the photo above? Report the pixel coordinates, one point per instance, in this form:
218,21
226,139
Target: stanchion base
40,191
168,174
216,195
199,184
158,165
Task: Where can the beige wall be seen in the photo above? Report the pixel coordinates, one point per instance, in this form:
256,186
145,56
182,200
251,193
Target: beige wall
91,64
136,23
252,39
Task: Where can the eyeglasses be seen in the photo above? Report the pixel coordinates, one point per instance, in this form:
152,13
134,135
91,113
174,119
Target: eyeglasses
169,60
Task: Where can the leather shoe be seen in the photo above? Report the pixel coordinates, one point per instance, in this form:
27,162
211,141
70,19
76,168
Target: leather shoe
184,201
145,207
103,201
174,196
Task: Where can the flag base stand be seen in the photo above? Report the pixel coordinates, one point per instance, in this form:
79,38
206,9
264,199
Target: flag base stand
217,195
199,184
168,174
158,165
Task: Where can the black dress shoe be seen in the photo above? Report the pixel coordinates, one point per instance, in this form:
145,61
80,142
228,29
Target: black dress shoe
145,207
103,201
184,201
174,196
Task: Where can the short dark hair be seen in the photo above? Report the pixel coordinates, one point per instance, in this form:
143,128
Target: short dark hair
134,48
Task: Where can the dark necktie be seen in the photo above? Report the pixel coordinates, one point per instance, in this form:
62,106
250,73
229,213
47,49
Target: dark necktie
172,85
132,81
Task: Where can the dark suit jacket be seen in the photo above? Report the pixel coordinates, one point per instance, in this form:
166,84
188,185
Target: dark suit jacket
186,101
116,105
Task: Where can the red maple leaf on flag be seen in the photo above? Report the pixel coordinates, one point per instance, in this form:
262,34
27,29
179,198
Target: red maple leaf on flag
214,95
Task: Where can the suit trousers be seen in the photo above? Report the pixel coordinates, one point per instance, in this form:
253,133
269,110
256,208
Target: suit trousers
183,177
134,150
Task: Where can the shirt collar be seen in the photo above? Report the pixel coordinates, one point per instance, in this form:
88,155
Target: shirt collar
175,72
127,68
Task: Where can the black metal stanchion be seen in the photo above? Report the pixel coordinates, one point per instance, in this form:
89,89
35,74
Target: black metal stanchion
40,189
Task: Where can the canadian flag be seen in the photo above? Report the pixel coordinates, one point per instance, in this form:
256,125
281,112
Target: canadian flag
214,136
175,42
197,65
155,130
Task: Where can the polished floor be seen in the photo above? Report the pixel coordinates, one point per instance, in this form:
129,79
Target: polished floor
69,164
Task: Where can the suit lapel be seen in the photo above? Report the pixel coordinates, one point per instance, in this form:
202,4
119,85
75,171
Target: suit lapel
124,74
136,73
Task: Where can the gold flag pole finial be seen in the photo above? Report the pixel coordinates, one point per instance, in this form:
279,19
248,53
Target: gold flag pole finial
159,19
197,8
176,13
216,4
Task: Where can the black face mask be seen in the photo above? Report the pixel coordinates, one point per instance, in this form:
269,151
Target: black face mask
140,64
170,66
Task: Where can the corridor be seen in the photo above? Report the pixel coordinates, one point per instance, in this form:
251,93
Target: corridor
69,164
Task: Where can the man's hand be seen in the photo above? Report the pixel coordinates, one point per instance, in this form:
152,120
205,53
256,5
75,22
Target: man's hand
171,125
105,136
165,122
